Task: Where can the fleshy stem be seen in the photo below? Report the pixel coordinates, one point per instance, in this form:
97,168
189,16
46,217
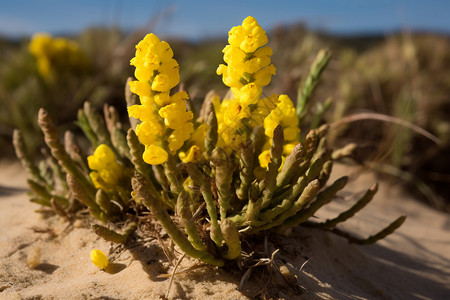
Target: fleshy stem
85,197
246,170
323,198
224,175
136,151
205,188
113,236
184,212
211,133
58,152
290,166
140,186
368,196
231,236
376,237
270,179
25,159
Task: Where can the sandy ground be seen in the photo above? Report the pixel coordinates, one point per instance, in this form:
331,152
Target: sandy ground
413,263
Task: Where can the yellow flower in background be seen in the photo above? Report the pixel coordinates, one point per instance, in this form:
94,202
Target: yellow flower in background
107,171
56,55
99,258
264,158
166,122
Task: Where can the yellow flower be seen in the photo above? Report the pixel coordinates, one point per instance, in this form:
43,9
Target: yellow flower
99,258
198,136
177,138
149,132
154,155
175,115
248,37
162,99
287,149
140,88
56,55
285,115
193,155
249,94
264,158
108,171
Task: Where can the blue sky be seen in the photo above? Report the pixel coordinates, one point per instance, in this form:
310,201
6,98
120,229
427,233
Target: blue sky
199,19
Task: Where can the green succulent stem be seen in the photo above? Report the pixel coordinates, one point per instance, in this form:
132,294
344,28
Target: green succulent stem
113,236
323,198
306,196
184,212
211,134
140,186
25,158
232,240
305,91
246,170
205,188
60,154
290,166
368,196
223,175
270,179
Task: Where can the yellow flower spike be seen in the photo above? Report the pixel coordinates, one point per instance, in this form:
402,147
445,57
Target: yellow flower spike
179,97
99,258
175,115
246,72
166,123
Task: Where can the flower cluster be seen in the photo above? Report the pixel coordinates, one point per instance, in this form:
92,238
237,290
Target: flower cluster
166,124
285,115
247,71
55,55
107,171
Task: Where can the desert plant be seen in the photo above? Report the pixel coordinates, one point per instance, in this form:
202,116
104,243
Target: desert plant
242,167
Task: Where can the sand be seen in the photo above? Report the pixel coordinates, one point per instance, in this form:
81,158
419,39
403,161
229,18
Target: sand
43,258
